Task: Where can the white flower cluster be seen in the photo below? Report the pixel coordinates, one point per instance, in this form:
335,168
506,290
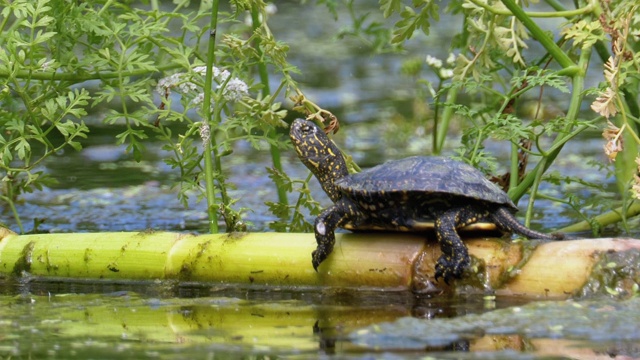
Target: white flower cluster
234,90
176,80
443,72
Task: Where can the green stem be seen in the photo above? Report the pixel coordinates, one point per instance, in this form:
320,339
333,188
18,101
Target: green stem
266,91
610,217
541,36
536,14
572,114
106,6
9,200
514,170
534,191
210,147
447,115
436,112
76,77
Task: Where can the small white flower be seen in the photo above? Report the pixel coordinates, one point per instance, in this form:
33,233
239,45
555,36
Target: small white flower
162,87
451,59
446,73
220,76
202,70
187,86
248,21
165,84
198,99
235,90
434,62
271,9
176,80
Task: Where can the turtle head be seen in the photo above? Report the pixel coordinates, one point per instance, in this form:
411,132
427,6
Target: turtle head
318,153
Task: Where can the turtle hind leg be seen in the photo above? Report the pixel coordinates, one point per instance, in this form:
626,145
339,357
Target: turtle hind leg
455,257
506,221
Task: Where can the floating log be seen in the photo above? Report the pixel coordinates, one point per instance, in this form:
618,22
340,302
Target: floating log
385,261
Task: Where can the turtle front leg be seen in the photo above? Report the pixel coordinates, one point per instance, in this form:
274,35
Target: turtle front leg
324,228
455,257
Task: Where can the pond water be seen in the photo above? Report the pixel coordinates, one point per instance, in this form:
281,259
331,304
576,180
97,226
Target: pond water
94,320
103,189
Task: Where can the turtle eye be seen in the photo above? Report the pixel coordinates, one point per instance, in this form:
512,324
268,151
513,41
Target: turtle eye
306,128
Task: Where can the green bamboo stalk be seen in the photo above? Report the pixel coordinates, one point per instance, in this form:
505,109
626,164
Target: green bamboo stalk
275,259
380,261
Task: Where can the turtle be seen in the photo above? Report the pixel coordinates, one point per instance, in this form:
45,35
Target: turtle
404,195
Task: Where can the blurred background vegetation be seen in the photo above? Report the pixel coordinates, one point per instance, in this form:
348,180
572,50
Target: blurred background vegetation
133,115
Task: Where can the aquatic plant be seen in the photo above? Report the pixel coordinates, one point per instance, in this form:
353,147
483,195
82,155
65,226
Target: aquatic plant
161,71
489,77
199,78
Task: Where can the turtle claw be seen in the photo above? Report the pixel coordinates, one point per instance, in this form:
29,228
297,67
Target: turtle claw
451,268
317,257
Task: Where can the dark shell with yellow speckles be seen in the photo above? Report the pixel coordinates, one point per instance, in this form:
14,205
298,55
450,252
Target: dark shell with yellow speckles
419,176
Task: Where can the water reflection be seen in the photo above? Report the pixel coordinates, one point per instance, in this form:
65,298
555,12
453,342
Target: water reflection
173,320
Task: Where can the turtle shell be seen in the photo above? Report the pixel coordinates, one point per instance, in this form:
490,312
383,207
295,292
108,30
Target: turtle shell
420,176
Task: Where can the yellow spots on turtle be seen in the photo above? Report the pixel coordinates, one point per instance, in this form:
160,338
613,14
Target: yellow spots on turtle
314,163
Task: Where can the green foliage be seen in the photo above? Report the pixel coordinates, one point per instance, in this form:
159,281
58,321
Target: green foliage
305,205
49,49
493,71
368,31
155,81
584,34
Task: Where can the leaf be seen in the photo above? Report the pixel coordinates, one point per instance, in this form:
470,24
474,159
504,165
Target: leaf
511,39
388,7
541,78
280,178
22,148
411,21
584,34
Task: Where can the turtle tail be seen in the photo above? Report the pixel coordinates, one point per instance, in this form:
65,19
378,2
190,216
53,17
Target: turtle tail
508,222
